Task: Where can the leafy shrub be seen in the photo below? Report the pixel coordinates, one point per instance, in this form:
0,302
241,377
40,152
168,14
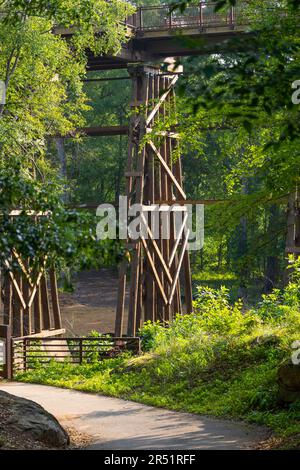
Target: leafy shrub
148,334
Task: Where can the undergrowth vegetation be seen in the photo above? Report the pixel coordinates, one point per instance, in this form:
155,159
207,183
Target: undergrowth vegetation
220,360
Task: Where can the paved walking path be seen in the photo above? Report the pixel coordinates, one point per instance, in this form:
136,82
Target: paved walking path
119,424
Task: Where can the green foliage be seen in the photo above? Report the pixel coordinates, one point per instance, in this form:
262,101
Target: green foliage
64,237
45,98
220,361
148,334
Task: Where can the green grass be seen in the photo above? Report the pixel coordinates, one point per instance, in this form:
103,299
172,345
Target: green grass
218,362
230,280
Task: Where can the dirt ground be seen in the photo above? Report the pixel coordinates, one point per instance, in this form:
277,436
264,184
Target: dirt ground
92,306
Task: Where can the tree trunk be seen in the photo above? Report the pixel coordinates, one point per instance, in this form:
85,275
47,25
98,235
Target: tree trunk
292,245
272,260
62,164
242,250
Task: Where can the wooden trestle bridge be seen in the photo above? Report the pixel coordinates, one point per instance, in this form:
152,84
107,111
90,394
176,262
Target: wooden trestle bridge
158,268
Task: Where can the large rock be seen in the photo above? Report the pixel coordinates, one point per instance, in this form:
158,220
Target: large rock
31,419
289,382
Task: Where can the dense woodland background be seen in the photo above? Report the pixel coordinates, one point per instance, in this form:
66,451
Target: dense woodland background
239,143
237,123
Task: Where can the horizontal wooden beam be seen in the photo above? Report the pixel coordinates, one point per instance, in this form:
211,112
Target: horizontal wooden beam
106,79
103,131
182,202
100,131
44,334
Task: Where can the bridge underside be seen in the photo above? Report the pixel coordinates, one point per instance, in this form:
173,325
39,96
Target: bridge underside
154,46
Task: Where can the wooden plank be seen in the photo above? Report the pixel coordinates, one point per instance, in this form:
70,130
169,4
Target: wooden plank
100,131
173,268
182,202
27,310
181,256
129,184
139,309
177,241
121,299
55,300
149,191
160,304
37,311
6,334
171,134
134,283
186,260
44,334
130,174
187,283
34,290
292,249
167,169
154,271
161,100
156,249
7,301
15,284
141,94
23,267
45,304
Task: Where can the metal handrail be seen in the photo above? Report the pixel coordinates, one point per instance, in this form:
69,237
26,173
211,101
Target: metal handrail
201,16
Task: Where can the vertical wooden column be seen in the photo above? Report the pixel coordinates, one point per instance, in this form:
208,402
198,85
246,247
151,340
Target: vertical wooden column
140,100
38,321
149,192
6,334
45,304
17,308
132,144
161,307
55,301
7,300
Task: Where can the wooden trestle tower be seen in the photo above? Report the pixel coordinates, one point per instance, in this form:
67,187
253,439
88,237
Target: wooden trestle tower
158,266
29,298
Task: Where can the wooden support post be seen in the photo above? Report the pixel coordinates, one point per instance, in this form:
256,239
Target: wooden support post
121,299
201,15
7,301
134,283
45,304
18,312
37,311
55,301
6,335
27,310
231,17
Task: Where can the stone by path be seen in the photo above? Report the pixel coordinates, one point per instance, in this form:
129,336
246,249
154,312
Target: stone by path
118,424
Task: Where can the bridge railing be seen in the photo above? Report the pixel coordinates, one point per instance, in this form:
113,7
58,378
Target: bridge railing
203,15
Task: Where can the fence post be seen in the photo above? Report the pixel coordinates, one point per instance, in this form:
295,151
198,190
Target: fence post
232,17
80,350
5,333
141,18
25,353
201,14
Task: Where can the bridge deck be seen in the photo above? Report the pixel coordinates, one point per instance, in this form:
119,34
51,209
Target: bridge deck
155,33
